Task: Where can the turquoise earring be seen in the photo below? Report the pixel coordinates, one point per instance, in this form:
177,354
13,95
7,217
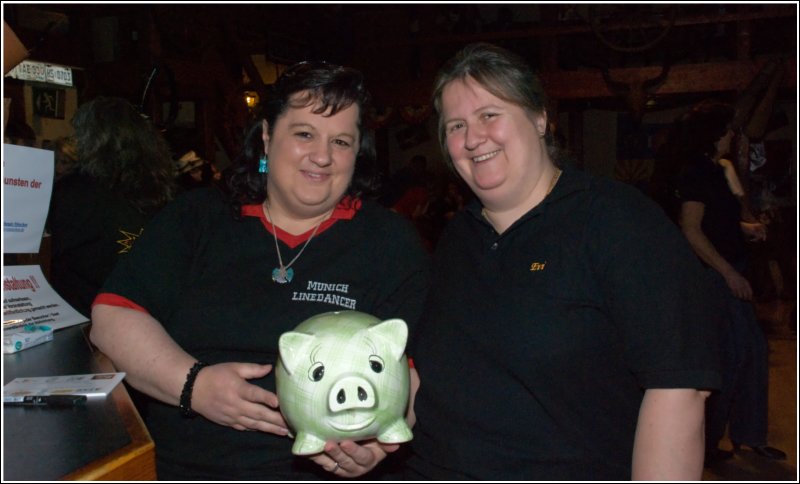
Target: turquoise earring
263,164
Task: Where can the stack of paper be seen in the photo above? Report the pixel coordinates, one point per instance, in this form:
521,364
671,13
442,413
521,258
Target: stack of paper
92,385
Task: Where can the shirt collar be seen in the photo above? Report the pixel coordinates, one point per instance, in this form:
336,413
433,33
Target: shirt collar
571,180
346,209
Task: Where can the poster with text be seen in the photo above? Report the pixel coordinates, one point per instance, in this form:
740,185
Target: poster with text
27,296
27,186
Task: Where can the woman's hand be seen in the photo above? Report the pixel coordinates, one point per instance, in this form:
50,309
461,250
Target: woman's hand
223,395
739,286
754,231
350,459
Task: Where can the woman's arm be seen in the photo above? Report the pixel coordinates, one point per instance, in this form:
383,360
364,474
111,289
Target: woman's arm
732,178
670,435
691,224
738,191
139,346
156,365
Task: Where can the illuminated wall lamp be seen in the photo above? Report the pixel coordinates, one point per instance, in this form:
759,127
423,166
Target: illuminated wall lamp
251,98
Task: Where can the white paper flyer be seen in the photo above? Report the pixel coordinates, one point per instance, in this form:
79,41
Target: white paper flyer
29,297
27,186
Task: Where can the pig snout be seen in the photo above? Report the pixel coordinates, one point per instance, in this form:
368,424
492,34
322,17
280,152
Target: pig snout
350,393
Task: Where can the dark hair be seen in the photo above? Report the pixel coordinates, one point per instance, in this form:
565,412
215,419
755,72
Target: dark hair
692,135
333,88
419,162
501,72
124,151
697,131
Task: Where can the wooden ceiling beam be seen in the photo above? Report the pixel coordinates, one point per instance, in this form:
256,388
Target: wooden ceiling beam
589,84
682,79
549,30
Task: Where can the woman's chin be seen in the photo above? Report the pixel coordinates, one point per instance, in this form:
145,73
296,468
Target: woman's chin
322,199
485,185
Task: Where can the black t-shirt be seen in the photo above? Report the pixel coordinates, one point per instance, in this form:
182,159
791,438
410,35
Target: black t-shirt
704,181
207,278
91,227
536,345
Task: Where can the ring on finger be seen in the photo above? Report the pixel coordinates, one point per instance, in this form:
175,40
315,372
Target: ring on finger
335,468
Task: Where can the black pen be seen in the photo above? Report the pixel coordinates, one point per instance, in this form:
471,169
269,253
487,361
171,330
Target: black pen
48,400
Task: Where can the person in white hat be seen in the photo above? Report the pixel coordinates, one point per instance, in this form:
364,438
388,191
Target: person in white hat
191,171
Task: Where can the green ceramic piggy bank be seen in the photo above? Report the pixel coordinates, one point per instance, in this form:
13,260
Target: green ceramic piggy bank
344,375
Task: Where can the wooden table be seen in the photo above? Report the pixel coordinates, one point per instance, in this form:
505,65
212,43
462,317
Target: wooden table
104,440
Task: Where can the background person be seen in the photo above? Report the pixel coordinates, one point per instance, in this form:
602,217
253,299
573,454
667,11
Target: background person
192,172
195,313
712,220
121,176
565,336
64,155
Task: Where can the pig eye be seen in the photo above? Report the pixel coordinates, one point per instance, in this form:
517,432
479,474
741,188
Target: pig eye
317,371
376,363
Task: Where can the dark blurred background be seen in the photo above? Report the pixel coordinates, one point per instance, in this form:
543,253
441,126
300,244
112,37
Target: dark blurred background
191,67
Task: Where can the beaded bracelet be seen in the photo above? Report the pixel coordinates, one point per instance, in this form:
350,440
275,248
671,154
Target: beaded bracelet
186,394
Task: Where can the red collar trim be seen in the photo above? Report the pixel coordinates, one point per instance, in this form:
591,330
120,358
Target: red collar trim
345,210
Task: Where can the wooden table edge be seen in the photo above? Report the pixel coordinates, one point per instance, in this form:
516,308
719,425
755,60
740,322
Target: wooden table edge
135,461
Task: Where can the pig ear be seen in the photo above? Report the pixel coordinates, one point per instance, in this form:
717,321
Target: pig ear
294,349
394,332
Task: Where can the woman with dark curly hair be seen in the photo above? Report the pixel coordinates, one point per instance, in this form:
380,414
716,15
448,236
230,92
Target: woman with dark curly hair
194,314
122,176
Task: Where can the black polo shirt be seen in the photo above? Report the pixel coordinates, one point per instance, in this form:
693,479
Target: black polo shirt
536,345
703,180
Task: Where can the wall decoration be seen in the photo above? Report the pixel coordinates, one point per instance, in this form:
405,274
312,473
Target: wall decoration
635,140
48,103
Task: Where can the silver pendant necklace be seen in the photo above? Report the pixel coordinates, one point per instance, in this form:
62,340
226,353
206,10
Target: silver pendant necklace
284,273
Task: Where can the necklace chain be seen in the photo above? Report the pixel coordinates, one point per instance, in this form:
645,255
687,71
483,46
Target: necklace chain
284,273
553,182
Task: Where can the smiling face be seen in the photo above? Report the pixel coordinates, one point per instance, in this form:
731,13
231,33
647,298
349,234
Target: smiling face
311,159
497,147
